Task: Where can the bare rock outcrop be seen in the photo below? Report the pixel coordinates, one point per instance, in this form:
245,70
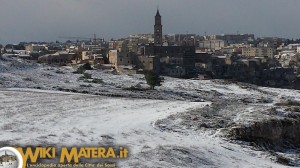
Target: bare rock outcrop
277,132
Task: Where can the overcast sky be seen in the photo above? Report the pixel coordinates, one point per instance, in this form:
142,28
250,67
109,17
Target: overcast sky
46,20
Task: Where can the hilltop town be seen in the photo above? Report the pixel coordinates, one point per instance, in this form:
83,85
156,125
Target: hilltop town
8,161
268,61
225,100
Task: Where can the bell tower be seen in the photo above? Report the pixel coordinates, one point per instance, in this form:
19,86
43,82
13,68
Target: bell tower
157,29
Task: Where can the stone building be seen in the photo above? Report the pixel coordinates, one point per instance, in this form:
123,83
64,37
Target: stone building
173,57
212,44
126,59
232,38
258,52
35,48
149,63
61,57
117,58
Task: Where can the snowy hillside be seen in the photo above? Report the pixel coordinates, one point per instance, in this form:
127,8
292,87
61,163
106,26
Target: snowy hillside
183,123
39,118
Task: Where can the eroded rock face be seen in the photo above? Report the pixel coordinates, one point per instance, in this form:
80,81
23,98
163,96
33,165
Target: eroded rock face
274,131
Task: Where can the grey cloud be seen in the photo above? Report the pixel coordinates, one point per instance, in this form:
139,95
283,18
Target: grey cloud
45,20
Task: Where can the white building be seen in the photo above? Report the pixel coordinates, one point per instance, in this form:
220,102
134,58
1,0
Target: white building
212,44
258,52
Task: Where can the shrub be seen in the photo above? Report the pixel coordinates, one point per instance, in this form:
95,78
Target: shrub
80,70
87,66
153,79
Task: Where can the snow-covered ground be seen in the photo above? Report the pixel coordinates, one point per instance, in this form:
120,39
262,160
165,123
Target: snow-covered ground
165,127
31,117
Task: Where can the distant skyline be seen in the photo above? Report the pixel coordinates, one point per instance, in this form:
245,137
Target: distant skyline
46,20
7,152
